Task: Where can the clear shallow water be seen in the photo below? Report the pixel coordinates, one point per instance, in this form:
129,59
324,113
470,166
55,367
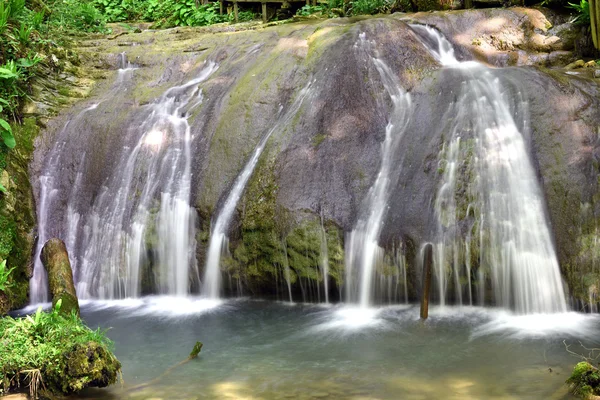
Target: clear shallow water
268,350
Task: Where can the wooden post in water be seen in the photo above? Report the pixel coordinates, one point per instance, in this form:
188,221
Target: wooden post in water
595,22
427,266
235,11
264,12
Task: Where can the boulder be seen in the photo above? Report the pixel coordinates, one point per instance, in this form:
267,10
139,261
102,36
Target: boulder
575,65
60,276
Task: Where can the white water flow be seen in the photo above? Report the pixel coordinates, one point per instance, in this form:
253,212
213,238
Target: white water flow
218,238
363,251
143,216
487,167
49,190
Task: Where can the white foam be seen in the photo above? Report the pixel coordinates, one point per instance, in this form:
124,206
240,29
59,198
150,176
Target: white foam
160,306
540,325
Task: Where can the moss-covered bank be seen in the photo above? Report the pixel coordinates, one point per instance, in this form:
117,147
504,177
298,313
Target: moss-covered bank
54,354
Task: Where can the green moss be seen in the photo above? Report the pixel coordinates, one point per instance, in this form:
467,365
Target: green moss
318,139
65,354
585,380
7,235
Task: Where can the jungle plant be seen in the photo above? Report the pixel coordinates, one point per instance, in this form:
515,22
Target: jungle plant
4,274
583,12
371,7
6,132
309,10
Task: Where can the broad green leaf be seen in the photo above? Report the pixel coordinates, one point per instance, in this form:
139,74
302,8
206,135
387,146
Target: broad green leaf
7,74
3,190
7,135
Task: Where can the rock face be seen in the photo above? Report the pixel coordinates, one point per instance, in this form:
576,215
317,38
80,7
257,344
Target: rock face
17,213
315,172
507,37
60,276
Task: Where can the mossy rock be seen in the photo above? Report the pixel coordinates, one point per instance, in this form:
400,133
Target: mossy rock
87,365
585,380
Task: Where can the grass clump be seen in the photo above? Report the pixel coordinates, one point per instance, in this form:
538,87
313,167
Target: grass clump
54,354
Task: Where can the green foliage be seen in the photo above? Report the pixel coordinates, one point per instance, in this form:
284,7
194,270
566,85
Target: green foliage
45,342
74,16
4,274
339,8
583,12
123,10
308,9
184,13
370,7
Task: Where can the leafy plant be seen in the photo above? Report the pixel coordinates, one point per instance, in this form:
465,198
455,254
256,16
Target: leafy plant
4,274
309,10
371,7
72,16
23,34
583,11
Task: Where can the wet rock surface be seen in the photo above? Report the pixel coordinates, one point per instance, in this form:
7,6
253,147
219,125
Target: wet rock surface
322,164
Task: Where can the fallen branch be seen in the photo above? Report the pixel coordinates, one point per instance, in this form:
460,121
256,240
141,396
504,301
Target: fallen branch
591,356
117,35
195,351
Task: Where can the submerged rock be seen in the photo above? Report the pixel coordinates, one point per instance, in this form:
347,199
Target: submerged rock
60,276
576,64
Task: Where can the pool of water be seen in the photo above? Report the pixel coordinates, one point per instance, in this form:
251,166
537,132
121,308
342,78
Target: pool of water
270,350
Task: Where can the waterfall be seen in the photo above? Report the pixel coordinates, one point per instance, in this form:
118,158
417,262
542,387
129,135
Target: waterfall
489,181
218,237
363,251
141,216
48,193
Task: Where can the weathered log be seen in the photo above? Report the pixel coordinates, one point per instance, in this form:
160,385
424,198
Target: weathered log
427,266
60,276
595,22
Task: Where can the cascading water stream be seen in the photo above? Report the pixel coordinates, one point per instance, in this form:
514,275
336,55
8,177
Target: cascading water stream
141,216
487,157
49,189
363,251
218,238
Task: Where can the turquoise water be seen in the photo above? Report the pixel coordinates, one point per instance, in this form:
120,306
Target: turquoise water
270,350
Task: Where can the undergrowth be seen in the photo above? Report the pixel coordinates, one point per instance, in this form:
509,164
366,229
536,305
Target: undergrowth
45,342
